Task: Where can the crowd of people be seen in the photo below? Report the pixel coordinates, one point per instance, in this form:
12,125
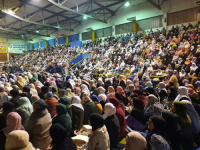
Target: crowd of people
46,104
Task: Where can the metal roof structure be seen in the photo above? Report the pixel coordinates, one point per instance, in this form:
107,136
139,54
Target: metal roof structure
31,18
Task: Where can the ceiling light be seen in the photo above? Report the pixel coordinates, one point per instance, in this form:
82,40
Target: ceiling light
10,12
84,17
37,31
127,4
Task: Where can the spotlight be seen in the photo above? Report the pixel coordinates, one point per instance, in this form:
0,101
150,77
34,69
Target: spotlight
37,31
84,17
127,4
10,12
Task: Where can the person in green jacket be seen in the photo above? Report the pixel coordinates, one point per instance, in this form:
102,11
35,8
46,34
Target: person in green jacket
89,107
179,110
77,113
63,118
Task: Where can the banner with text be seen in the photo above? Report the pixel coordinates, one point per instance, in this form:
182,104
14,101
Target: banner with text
3,47
16,48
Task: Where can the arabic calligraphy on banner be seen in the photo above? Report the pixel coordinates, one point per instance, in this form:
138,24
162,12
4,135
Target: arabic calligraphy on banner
3,47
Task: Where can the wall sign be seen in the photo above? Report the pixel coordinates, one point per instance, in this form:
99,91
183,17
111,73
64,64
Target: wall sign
16,48
3,47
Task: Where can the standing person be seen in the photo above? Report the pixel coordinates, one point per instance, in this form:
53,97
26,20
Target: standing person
77,113
60,140
89,107
63,118
13,122
99,139
3,96
179,110
157,138
51,104
38,125
112,124
120,115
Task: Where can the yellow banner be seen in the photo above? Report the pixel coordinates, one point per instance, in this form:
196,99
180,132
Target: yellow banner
3,47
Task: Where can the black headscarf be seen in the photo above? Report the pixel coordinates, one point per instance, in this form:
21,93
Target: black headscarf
40,104
173,94
159,127
138,110
8,106
96,121
121,98
60,140
151,90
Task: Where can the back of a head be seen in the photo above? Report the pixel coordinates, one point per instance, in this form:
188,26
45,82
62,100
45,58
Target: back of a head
109,109
152,99
18,140
96,121
44,89
2,89
8,106
40,105
57,133
61,109
14,93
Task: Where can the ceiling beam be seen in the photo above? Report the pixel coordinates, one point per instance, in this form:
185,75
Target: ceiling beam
21,32
36,23
104,7
154,4
76,12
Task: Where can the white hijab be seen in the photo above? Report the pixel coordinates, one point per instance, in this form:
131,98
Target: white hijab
183,92
76,101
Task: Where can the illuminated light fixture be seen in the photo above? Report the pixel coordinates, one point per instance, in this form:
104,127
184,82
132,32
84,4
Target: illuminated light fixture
127,4
84,17
37,31
10,12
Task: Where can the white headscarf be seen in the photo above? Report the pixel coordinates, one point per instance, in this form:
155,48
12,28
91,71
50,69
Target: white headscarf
183,92
101,90
85,89
109,109
194,116
102,97
39,84
76,101
193,67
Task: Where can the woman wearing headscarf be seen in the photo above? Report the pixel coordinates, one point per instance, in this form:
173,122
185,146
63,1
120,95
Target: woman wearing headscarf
175,81
89,107
162,91
69,93
33,90
77,113
13,122
24,109
63,118
69,85
135,141
51,104
172,130
53,83
194,116
172,93
112,124
151,90
27,92
55,93
19,140
20,82
138,93
182,94
153,107
85,89
99,138
7,108
111,92
136,119
44,91
122,81
60,139
38,126
60,88
102,95
193,67
3,96
120,115
179,110
156,137
96,100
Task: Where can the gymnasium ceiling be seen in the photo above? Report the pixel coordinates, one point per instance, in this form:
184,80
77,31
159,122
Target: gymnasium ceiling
50,18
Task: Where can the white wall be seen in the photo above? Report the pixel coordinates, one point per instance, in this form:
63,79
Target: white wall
141,11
